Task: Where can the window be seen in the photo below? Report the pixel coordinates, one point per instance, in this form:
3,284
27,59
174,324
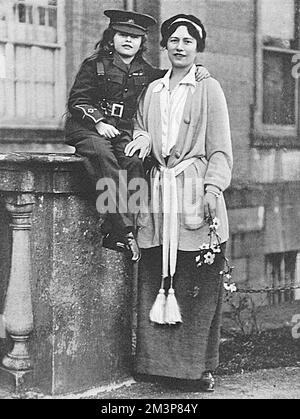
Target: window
32,63
282,270
276,117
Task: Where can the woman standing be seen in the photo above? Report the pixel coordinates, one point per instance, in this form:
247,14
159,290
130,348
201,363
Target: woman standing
187,127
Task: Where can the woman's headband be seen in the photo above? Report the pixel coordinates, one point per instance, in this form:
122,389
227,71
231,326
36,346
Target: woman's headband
199,29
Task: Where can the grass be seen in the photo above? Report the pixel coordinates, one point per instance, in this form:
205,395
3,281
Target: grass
268,317
272,347
268,349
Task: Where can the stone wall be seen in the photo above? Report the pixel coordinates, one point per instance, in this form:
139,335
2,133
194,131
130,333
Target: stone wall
264,219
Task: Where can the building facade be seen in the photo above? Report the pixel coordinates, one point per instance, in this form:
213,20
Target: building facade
253,50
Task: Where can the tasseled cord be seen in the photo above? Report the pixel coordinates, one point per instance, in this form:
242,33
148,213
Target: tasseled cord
157,313
172,310
165,310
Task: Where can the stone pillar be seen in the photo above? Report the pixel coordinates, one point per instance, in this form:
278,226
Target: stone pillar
18,317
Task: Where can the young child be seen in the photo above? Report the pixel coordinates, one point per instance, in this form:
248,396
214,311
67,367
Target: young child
102,103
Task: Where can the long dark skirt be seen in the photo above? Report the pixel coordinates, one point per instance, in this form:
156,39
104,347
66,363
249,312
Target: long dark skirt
184,350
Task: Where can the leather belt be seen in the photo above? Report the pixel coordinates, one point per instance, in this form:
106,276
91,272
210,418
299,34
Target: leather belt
116,109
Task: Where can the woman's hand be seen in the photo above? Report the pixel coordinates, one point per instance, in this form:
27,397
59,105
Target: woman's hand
107,130
201,73
210,205
141,145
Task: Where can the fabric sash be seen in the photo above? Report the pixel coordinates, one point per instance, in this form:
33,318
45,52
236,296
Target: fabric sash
166,178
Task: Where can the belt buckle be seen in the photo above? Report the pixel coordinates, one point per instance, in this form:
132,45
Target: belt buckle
117,110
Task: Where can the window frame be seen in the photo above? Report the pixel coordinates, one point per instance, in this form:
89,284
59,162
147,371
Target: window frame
11,120
281,277
271,135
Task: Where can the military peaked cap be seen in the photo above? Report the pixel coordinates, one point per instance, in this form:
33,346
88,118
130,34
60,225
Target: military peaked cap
129,22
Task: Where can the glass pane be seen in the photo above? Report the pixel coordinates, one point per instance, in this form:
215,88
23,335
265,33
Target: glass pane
3,9
278,18
297,276
290,263
30,15
3,19
290,271
279,88
2,62
22,13
2,80
42,16
53,18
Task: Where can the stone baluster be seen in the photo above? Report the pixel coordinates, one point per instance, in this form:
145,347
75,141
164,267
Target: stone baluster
18,316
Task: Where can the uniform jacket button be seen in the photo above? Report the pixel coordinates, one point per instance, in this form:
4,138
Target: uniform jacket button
126,90
177,155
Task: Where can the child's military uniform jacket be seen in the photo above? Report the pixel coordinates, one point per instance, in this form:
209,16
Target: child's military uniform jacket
106,89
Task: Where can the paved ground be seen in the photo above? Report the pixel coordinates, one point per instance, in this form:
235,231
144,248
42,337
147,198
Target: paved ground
5,395
281,383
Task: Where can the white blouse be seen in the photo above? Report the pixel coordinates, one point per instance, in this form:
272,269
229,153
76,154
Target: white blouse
172,107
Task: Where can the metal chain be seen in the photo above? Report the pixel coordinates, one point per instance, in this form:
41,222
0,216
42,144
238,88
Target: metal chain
268,289
213,230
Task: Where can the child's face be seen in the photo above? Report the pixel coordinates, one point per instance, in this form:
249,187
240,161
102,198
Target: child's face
127,45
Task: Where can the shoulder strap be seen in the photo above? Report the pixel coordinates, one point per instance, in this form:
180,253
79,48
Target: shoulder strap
102,85
100,68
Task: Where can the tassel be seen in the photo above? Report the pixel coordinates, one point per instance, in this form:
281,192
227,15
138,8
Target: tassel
157,312
172,310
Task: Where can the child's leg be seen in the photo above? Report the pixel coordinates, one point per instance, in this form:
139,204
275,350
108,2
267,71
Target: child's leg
101,162
132,165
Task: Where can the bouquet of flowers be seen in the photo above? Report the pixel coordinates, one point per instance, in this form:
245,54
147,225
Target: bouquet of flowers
208,252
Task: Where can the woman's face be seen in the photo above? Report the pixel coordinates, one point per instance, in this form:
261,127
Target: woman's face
127,45
182,48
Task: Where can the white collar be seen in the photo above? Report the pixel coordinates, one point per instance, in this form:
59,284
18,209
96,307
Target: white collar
165,81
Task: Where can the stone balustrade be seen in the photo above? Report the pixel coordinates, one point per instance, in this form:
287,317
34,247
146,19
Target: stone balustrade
65,301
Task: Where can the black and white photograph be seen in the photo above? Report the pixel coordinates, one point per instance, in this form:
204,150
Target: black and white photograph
149,202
